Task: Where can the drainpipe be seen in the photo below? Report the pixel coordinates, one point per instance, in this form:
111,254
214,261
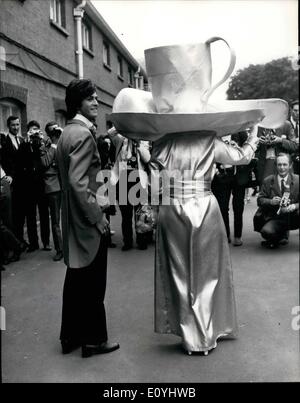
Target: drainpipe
137,78
78,14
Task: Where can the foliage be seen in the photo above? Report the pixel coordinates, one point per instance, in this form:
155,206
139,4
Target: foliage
276,79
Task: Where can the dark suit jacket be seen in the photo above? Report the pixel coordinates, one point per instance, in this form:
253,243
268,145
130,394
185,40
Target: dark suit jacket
288,145
270,188
79,163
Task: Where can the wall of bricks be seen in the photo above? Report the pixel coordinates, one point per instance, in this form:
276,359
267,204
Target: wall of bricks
29,24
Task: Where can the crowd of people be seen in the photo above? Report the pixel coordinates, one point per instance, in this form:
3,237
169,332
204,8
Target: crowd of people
30,184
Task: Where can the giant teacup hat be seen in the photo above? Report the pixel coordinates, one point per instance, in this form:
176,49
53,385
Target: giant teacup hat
180,79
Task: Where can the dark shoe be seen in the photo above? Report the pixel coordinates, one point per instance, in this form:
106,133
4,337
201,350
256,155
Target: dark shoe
112,245
269,244
59,255
47,248
237,242
103,348
126,247
14,258
32,248
142,246
6,261
283,242
69,346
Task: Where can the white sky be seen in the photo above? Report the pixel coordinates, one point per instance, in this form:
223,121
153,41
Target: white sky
258,30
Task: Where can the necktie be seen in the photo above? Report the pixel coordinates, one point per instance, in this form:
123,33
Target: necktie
282,186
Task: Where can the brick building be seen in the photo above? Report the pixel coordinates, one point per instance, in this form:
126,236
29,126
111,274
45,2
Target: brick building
40,42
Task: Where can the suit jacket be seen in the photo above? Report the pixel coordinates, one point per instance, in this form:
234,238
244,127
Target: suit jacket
10,158
79,163
48,161
270,188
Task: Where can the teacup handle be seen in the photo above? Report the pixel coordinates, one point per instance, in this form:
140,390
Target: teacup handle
230,67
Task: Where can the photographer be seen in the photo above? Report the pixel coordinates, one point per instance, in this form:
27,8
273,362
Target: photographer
52,185
232,181
33,185
278,203
271,143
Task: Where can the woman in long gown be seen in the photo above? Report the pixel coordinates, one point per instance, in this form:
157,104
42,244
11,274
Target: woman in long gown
194,296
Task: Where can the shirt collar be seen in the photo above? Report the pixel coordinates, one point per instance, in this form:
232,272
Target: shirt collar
294,123
83,119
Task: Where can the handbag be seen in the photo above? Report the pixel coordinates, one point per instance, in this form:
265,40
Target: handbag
145,219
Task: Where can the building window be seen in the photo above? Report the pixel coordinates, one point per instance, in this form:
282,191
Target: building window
130,77
120,67
57,12
87,35
61,118
8,108
106,54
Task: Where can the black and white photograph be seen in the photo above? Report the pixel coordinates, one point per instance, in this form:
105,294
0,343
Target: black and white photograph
149,203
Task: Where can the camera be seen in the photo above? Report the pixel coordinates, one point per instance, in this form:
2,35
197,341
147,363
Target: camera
57,131
35,137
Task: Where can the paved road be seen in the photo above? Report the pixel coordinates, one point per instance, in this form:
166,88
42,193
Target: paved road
266,286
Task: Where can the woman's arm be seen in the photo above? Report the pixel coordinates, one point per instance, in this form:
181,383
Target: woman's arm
228,154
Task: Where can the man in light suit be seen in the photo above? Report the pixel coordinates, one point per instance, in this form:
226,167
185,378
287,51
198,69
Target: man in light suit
84,227
279,203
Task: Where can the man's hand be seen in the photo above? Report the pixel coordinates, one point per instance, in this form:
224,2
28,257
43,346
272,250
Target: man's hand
8,179
276,140
103,225
288,209
275,201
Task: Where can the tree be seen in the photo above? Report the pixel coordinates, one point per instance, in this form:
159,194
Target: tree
276,79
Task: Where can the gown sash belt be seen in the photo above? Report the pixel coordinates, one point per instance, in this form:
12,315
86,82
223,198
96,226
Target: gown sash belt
188,189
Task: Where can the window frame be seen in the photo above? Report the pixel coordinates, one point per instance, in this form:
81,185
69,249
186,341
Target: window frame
120,68
106,61
58,13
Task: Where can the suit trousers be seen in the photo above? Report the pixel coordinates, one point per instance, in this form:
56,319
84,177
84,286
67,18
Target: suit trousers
276,229
222,191
8,240
83,311
54,203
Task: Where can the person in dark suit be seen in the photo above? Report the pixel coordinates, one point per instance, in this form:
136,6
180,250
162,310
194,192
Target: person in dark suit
294,119
84,226
10,159
271,143
8,240
232,180
278,201
52,185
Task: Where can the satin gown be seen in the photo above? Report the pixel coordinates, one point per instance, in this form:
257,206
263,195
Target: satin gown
194,295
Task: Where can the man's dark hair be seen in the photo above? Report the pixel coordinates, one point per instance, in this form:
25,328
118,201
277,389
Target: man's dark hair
33,123
10,119
49,124
281,154
76,92
296,102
